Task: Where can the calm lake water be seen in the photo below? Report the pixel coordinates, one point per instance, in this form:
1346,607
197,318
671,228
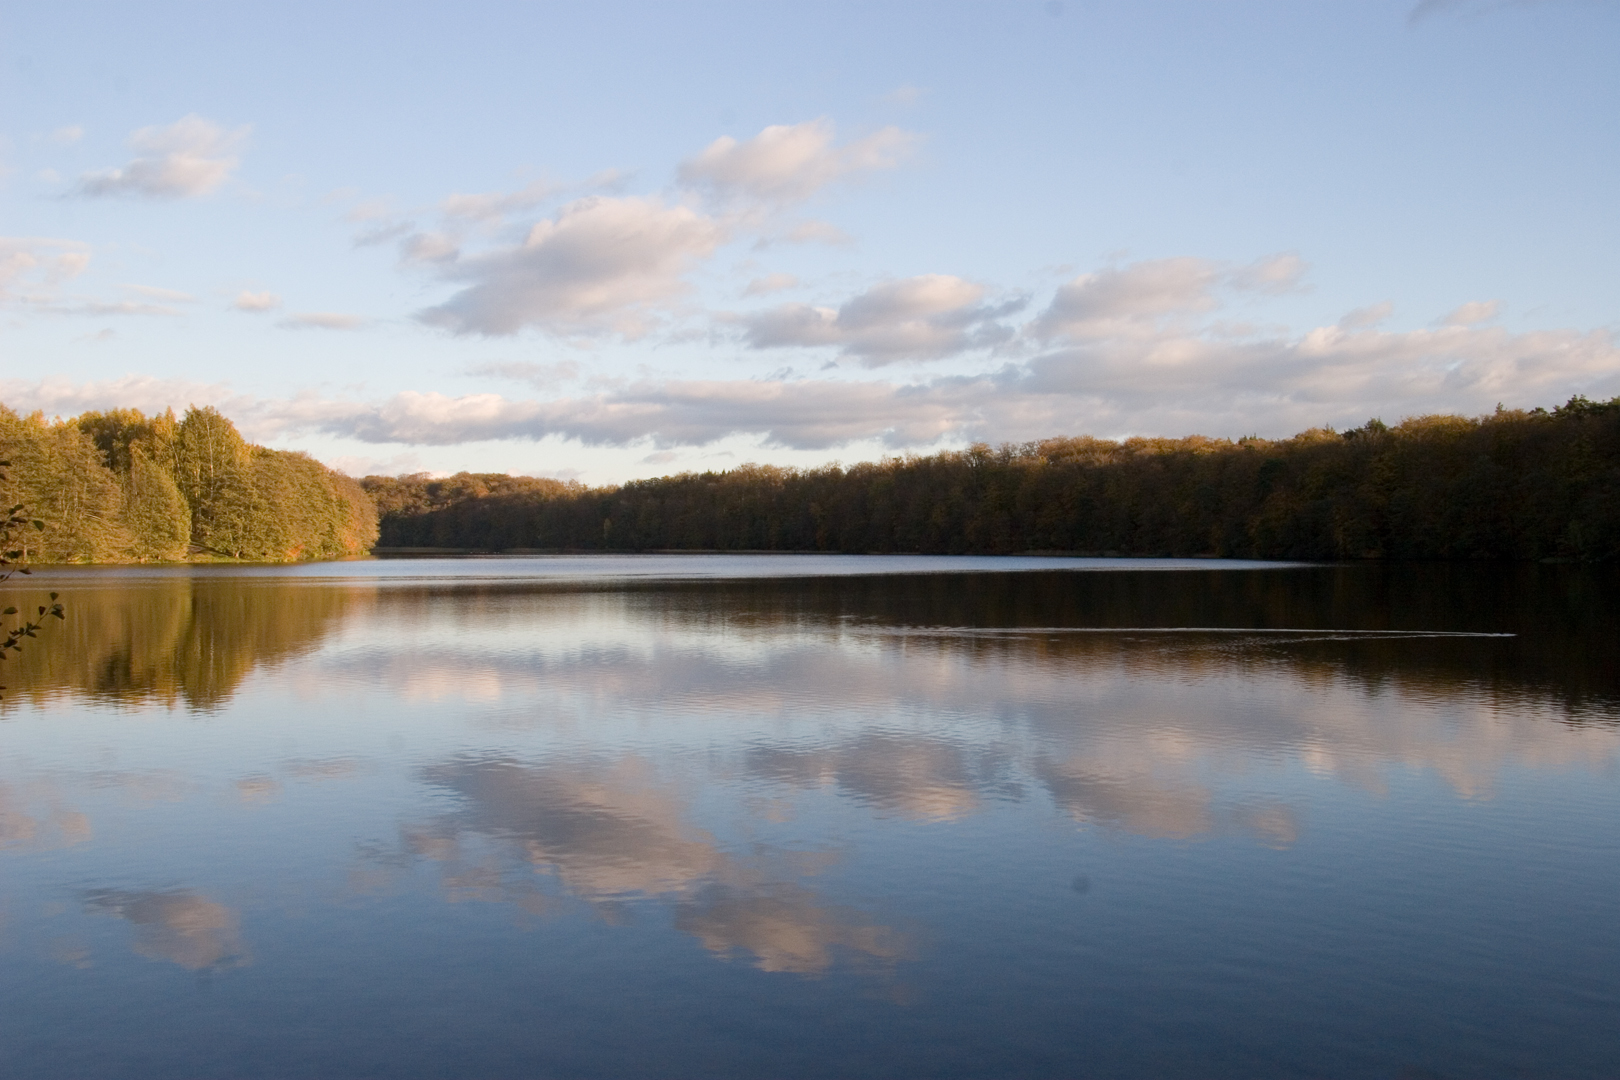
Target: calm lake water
813,817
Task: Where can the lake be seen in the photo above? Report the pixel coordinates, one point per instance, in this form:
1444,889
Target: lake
819,816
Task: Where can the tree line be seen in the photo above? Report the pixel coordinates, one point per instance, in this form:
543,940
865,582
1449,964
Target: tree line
119,486
1517,484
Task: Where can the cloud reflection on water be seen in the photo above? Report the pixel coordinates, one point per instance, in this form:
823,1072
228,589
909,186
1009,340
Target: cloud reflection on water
180,927
616,832
660,745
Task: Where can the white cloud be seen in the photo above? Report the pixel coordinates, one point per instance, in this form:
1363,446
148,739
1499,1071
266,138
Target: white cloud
256,301
1137,299
366,465
1129,301
1479,311
185,159
669,413
1178,383
785,163
323,320
600,264
67,136
919,318
1133,350
57,396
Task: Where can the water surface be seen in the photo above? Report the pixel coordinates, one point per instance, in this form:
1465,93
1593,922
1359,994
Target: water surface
813,816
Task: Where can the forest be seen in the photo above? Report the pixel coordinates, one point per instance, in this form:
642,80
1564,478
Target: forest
119,486
1518,484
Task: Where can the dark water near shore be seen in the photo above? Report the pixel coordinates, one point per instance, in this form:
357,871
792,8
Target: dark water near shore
781,816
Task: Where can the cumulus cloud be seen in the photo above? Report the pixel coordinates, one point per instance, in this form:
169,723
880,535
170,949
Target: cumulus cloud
789,162
1130,350
600,264
919,318
182,160
613,263
67,136
809,414
1129,301
1178,381
256,301
1138,300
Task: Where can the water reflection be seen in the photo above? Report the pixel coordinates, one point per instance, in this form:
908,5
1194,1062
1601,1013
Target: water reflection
187,640
531,826
615,832
920,777
180,927
26,826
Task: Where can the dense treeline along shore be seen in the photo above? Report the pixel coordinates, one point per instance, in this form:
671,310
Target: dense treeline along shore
118,486
1514,485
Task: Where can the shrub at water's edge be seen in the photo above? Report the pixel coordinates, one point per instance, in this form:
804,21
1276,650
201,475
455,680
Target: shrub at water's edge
119,486
1513,485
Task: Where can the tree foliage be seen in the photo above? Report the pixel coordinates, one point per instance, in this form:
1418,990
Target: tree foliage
119,486
15,522
1513,485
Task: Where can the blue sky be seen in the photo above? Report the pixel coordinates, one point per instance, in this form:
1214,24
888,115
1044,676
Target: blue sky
605,242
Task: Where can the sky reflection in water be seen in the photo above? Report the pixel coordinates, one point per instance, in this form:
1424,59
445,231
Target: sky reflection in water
425,819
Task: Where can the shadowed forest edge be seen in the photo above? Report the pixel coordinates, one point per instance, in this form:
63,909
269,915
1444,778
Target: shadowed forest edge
118,486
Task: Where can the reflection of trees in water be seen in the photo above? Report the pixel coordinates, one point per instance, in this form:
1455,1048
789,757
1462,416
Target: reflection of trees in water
948,699
1565,649
611,833
174,640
